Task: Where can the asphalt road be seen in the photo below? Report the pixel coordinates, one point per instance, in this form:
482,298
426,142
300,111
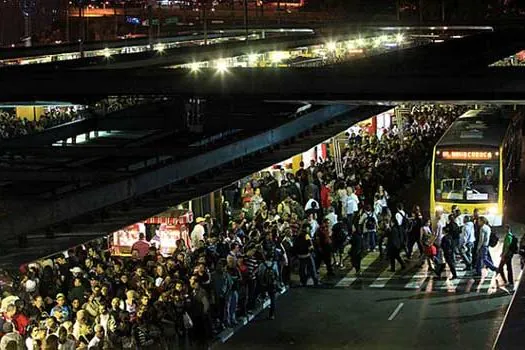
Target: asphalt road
359,319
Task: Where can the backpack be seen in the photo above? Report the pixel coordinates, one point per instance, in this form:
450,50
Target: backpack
513,247
370,223
447,245
493,240
454,230
269,278
407,225
339,234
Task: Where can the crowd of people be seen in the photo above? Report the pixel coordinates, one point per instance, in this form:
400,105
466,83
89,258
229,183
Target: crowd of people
274,224
12,126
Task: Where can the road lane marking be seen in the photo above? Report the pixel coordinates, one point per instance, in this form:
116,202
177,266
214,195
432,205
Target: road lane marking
396,311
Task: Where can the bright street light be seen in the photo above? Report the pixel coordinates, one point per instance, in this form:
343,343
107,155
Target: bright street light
331,46
194,67
222,66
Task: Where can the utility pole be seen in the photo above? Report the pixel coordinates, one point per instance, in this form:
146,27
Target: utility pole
116,20
279,11
420,11
150,23
67,20
205,21
443,11
398,10
246,18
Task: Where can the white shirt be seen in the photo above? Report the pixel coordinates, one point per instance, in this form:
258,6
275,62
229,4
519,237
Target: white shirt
399,217
484,236
438,232
332,218
314,225
352,204
468,232
378,208
93,343
197,235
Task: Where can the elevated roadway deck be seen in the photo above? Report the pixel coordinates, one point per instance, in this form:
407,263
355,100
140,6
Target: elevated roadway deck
455,70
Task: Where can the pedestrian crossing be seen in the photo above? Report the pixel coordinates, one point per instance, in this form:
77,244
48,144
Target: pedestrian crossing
376,274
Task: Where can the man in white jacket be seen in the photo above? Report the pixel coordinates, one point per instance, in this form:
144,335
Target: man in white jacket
468,239
484,258
352,206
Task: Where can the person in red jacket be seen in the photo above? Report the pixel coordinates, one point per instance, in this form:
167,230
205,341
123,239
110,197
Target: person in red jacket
19,320
325,197
323,243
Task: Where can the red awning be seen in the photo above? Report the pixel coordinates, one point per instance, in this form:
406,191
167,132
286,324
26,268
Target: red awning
172,217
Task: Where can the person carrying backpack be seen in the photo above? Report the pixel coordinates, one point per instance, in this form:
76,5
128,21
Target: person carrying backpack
447,246
268,276
510,247
368,223
404,224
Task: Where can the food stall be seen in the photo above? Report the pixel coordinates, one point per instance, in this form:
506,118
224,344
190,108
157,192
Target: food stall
168,227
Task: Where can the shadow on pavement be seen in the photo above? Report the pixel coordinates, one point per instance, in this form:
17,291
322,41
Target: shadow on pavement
488,315
498,294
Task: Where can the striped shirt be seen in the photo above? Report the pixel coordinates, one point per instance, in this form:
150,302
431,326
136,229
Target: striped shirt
252,265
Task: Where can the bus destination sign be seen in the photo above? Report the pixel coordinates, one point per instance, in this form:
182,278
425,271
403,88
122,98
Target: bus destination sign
467,155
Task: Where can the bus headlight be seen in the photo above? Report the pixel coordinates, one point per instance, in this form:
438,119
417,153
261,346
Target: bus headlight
493,210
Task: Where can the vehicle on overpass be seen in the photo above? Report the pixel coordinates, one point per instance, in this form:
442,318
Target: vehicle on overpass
475,162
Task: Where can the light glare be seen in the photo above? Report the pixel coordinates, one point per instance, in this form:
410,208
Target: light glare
331,46
222,66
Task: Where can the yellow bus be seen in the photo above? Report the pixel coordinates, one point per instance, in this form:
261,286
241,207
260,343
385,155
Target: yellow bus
475,162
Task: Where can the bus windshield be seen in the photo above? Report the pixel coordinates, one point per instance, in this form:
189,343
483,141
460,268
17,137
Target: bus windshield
465,182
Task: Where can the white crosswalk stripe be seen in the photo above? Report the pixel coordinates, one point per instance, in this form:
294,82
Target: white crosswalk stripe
377,275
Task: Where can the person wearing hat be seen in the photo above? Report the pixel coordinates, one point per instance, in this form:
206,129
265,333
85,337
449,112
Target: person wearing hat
198,232
11,335
61,311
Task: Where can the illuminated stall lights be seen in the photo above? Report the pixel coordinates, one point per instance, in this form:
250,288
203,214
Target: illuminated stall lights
400,38
106,53
160,48
253,58
278,56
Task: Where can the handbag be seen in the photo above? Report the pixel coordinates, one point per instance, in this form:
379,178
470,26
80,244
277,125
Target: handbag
430,250
188,323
